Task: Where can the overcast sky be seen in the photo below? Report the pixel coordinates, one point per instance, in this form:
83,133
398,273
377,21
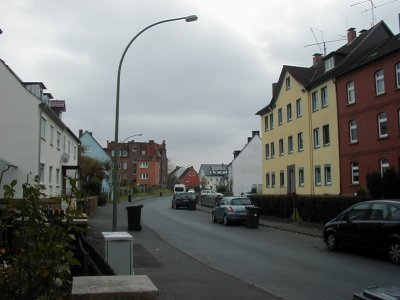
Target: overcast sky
195,85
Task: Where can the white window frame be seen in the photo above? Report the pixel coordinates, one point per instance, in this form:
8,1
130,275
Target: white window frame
282,178
273,179
324,97
280,117
287,81
281,147
351,93
314,101
290,144
289,112
266,123
299,108
384,164
355,173
58,140
267,154
51,135
271,121
300,142
58,177
301,176
42,173
329,63
379,82
50,174
143,165
327,174
326,137
353,132
316,141
317,175
398,75
382,124
267,180
43,128
272,149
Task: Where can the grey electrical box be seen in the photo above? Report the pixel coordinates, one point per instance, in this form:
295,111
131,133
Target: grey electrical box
118,248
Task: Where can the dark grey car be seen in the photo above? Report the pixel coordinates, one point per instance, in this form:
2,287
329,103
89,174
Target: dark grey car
372,224
187,200
231,209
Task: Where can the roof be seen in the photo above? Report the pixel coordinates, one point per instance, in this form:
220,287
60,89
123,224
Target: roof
214,169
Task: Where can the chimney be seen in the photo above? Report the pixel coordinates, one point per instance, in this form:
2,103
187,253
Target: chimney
236,153
249,139
351,34
317,57
274,89
255,132
80,133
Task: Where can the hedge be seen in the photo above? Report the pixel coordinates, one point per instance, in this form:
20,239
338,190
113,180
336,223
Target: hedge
311,208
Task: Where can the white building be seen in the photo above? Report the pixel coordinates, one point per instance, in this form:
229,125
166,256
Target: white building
213,175
34,140
246,168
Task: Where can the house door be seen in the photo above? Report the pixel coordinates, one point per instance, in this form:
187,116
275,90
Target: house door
291,186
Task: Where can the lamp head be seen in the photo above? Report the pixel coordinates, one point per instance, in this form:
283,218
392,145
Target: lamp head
191,18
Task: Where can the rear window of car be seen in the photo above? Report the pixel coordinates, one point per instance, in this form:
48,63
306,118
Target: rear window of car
240,201
394,213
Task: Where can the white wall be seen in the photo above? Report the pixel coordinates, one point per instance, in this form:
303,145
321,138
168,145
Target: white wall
247,167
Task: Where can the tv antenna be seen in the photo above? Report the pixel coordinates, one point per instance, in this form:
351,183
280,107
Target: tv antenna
372,8
321,43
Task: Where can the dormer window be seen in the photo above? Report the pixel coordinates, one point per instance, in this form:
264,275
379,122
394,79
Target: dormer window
329,64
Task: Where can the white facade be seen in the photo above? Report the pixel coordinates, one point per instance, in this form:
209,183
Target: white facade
246,168
28,135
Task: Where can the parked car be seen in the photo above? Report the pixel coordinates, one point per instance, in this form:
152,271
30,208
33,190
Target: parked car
187,200
231,209
210,193
192,191
372,224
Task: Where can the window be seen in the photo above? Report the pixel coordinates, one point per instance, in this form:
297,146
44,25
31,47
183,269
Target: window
57,176
355,177
290,144
316,137
69,147
281,150
75,152
326,140
280,119
379,211
287,83
273,179
300,141
314,101
88,149
382,125
398,75
266,123
328,174
51,135
58,140
267,180
50,174
43,128
379,82
359,212
125,152
329,64
301,177
282,178
272,149
324,97
384,166
289,112
351,94
353,131
143,165
317,175
394,213
271,121
266,151
124,165
299,109
42,173
143,176
64,143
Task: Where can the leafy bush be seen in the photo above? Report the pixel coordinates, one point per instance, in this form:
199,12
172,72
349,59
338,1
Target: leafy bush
39,266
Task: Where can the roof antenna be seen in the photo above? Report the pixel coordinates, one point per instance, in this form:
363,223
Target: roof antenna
373,7
323,42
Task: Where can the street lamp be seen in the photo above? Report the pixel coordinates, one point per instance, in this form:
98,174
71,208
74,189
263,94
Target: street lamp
191,18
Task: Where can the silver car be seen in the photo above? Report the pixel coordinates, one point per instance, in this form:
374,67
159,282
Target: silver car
231,209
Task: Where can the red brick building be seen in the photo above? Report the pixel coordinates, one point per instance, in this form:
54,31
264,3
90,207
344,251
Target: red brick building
187,176
368,97
141,163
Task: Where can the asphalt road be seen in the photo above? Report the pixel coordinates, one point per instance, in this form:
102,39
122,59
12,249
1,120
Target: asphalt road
287,265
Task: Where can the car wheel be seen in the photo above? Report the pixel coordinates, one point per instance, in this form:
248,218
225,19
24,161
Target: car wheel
394,252
226,221
332,242
213,218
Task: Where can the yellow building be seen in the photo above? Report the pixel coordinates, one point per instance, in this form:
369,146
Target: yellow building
299,135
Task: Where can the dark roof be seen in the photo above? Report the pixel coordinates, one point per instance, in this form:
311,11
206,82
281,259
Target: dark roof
347,57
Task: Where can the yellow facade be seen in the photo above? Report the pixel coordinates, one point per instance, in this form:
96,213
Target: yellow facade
289,156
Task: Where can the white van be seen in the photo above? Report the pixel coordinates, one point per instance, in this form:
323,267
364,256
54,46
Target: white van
179,188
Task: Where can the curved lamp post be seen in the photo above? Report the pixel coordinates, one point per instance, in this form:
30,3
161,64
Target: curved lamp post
115,159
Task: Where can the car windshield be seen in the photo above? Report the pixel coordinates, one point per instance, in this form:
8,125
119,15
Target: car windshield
241,201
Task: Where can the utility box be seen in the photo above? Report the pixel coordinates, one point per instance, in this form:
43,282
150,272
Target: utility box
118,248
